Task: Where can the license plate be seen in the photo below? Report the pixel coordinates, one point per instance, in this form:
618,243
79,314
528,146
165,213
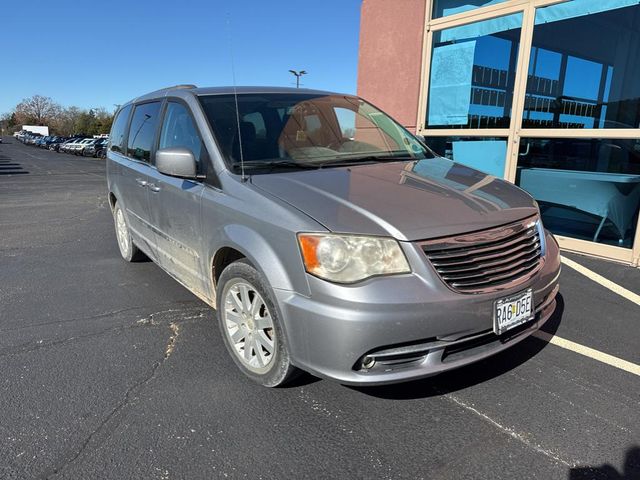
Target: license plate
512,311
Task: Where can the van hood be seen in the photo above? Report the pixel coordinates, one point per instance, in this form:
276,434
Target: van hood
409,201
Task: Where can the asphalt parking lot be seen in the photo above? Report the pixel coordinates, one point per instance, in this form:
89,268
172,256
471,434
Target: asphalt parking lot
114,370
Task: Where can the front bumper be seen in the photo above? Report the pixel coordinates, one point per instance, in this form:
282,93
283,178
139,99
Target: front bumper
413,324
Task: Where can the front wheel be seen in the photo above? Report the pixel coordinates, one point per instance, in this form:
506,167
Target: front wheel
250,324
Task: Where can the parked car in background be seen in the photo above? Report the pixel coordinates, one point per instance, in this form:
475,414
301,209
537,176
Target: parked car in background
57,147
70,147
344,248
46,141
32,138
76,145
97,149
80,146
55,142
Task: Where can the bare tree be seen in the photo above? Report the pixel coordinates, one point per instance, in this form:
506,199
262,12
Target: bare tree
37,110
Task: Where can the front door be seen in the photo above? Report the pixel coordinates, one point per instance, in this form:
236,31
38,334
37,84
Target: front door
174,204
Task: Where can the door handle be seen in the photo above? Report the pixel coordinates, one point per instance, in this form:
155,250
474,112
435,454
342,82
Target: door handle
153,187
142,183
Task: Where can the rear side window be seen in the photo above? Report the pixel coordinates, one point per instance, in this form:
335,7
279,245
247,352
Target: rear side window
142,130
118,129
178,130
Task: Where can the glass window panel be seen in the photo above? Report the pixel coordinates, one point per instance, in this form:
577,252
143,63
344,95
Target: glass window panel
586,188
485,154
257,120
346,121
442,8
178,130
143,130
472,74
119,129
583,71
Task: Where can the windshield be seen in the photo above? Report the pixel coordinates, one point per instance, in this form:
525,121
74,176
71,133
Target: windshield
292,130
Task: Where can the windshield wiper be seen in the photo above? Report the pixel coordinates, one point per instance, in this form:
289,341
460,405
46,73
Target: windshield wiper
349,161
315,164
273,164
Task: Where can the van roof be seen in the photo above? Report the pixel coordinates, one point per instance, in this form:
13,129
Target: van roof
179,89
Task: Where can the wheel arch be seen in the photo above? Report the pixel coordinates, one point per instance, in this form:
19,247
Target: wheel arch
112,200
242,242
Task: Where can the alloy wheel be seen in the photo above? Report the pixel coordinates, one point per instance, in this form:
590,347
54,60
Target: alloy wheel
249,326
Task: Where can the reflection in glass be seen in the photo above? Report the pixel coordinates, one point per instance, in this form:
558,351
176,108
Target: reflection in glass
472,74
142,130
119,128
475,187
442,8
305,130
583,71
586,188
178,130
485,154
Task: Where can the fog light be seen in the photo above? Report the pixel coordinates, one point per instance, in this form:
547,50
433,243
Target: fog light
368,362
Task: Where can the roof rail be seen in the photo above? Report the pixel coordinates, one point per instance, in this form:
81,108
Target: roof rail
163,91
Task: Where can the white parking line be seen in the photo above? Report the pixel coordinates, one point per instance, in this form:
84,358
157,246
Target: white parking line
614,287
589,352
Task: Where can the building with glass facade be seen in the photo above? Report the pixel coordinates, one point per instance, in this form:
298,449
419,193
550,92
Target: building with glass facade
543,93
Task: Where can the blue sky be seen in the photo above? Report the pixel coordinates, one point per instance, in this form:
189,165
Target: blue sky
99,53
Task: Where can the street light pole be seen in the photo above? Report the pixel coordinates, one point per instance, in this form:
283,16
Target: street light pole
298,74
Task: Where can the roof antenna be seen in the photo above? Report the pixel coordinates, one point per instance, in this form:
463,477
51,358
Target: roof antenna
235,97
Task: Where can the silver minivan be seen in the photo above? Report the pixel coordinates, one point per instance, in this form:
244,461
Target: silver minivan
327,237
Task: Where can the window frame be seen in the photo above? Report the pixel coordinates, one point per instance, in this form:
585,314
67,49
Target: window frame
515,131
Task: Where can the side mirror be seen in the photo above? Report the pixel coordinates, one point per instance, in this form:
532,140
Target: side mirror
177,162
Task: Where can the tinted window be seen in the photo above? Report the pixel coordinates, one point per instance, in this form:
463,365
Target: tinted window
118,129
487,154
142,130
587,188
473,70
178,130
587,79
303,128
442,8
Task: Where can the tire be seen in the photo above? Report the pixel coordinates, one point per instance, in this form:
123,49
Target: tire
262,328
129,251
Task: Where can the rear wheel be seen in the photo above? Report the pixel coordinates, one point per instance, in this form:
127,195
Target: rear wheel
250,323
129,251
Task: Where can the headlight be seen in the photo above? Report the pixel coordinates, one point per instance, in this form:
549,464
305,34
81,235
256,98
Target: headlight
350,258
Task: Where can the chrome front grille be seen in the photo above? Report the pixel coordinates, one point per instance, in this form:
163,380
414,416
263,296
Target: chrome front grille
489,260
